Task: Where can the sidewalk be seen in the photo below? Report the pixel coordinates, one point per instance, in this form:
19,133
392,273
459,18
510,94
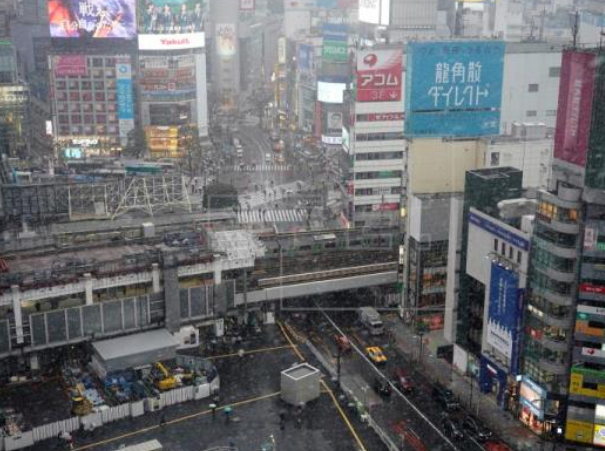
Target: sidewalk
502,422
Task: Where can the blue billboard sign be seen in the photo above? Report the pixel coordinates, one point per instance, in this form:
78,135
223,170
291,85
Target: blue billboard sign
124,91
504,313
499,231
454,89
305,56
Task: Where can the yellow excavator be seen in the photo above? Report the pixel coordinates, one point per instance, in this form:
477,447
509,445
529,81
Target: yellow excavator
165,381
80,405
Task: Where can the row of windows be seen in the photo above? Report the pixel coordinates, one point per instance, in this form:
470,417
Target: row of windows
88,119
541,281
85,84
378,136
86,107
77,130
372,156
377,191
378,175
547,113
561,214
544,259
94,73
367,208
74,96
501,247
557,238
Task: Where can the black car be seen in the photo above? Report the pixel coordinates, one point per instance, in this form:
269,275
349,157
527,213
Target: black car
451,428
382,387
475,429
446,399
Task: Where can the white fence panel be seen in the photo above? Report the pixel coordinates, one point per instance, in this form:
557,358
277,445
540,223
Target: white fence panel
52,429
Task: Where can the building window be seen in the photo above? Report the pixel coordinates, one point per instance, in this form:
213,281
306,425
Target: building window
503,247
531,113
519,257
533,87
494,159
495,244
554,72
551,113
510,252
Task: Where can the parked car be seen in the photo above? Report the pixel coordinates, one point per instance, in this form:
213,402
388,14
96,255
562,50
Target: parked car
382,386
445,398
475,429
402,381
376,355
343,343
451,428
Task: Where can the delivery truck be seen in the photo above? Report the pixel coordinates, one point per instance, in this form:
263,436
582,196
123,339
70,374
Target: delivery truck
371,320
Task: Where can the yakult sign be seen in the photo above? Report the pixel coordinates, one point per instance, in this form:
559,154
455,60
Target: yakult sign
379,75
454,89
183,41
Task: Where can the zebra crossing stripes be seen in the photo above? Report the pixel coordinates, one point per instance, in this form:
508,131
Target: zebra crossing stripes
258,216
263,168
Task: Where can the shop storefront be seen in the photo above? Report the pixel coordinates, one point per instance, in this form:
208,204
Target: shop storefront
493,379
532,398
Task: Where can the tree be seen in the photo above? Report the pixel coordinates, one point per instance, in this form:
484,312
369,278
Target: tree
220,195
136,146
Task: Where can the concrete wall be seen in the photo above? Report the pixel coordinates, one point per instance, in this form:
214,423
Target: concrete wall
437,166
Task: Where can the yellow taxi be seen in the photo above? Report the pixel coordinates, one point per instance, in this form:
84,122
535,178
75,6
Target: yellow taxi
376,355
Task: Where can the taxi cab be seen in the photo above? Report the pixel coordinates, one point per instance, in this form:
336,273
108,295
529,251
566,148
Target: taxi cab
376,355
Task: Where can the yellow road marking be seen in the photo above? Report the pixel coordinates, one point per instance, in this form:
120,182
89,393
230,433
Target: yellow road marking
329,391
174,421
254,351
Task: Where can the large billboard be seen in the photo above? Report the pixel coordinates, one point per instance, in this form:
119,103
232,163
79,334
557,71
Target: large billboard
330,91
379,75
70,65
377,12
504,311
454,88
225,39
171,42
166,76
575,106
171,16
92,18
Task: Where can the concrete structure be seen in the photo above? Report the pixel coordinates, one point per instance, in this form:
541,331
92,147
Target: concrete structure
532,156
530,87
300,384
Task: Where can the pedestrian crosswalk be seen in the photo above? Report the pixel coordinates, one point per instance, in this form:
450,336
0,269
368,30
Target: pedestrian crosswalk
260,216
263,168
259,198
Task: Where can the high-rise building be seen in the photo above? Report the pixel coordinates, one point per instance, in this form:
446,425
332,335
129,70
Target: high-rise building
373,138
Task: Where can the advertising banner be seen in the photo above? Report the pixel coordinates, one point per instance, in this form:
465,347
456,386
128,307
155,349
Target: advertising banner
66,65
92,18
172,42
379,75
125,101
225,39
454,89
334,121
281,50
504,311
334,51
575,106
330,92
331,140
246,5
171,16
305,57
377,12
499,231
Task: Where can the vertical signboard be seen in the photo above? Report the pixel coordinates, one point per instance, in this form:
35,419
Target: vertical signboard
305,57
575,106
595,163
335,43
225,39
124,96
504,311
379,75
281,50
454,89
